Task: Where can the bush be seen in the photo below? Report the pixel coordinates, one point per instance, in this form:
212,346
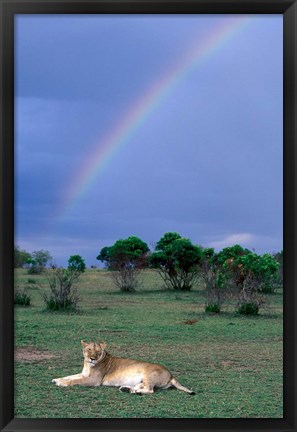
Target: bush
126,259
249,308
54,305
21,297
213,308
279,257
20,257
269,286
177,261
249,301
240,264
38,261
76,262
63,294
215,297
217,284
263,269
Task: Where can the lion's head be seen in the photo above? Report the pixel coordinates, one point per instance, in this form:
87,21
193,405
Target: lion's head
93,352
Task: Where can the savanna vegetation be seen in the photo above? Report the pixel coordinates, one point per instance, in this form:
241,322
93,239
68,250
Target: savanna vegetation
125,260
232,360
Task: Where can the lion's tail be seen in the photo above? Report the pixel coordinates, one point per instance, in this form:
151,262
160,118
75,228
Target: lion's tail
177,385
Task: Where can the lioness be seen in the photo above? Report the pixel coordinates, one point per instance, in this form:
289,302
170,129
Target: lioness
101,368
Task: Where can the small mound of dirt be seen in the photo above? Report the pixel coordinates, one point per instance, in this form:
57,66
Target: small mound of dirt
28,354
191,321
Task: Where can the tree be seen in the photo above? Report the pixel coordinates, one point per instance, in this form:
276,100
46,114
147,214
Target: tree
20,257
208,266
241,264
250,275
76,262
231,252
125,260
279,257
215,285
38,261
231,268
177,261
263,270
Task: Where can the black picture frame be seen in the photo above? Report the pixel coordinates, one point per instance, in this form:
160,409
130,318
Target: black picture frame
8,9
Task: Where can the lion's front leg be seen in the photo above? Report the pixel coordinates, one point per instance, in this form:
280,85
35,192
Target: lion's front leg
71,380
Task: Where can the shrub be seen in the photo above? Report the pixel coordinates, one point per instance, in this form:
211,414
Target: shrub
270,285
38,261
76,262
239,265
263,269
217,285
31,281
63,294
126,259
249,301
21,297
20,257
279,257
213,308
177,260
230,253
53,304
215,297
229,262
248,308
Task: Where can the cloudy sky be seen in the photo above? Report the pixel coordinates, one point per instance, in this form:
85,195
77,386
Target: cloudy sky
140,125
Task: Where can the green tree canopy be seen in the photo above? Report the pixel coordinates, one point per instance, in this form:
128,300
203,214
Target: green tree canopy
230,253
177,261
129,252
20,257
245,266
38,261
125,258
76,262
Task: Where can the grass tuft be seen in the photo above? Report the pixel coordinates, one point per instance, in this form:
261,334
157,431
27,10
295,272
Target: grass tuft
21,297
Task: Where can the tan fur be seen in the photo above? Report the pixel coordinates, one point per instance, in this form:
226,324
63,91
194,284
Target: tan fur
101,368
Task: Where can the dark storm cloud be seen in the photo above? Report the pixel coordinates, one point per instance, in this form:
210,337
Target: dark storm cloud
207,162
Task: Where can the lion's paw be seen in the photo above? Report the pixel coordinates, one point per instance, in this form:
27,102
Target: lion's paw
59,382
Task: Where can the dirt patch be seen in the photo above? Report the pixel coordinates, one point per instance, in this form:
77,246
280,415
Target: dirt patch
28,354
190,321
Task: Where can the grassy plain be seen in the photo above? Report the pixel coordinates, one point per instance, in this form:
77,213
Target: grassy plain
233,363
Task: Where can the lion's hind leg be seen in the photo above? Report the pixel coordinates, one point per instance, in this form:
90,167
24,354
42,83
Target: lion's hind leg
142,388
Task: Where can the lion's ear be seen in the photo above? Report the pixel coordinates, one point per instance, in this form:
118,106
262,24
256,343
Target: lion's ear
103,345
83,343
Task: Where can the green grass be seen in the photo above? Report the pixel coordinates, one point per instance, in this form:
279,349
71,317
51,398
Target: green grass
232,362
21,297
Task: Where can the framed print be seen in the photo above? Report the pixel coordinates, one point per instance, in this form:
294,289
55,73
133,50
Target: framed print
148,215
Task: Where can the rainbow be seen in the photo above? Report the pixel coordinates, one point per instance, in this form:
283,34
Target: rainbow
141,109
